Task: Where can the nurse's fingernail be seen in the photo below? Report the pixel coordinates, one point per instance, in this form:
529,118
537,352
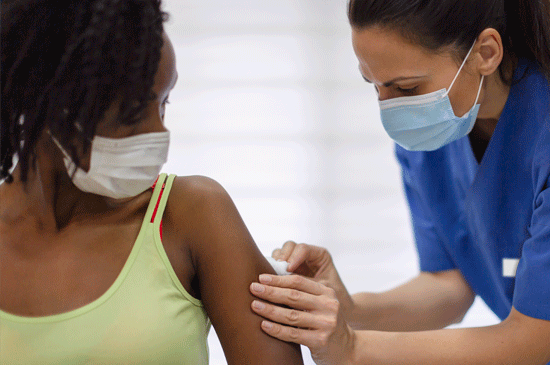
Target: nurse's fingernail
258,305
258,288
265,279
267,325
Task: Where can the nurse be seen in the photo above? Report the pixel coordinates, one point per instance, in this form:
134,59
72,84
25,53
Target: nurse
464,92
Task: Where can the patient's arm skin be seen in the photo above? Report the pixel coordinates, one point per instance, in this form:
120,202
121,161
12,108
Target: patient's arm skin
216,260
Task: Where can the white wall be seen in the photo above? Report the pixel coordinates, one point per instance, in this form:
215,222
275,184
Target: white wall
270,103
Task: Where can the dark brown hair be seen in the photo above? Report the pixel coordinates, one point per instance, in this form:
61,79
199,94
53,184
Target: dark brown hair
524,25
64,63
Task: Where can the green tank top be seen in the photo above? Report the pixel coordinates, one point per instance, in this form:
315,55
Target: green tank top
145,317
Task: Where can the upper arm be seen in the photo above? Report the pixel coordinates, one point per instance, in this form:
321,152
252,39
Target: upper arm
227,261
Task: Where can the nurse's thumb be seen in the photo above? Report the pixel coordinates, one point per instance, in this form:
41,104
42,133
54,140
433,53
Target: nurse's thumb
312,256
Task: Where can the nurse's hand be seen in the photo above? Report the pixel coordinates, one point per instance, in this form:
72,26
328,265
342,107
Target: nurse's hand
314,319
316,263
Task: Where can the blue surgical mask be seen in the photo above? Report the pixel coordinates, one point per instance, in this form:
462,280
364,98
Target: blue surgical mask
427,122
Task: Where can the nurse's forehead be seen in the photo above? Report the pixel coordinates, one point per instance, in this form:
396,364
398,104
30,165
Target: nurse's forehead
385,55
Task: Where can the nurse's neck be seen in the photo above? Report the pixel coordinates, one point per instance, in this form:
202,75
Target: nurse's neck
495,94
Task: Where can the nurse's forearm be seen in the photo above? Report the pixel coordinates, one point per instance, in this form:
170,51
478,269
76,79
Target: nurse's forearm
427,302
505,343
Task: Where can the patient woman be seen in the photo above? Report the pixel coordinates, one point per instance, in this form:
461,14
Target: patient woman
96,266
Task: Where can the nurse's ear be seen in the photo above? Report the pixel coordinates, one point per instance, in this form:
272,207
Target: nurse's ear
490,51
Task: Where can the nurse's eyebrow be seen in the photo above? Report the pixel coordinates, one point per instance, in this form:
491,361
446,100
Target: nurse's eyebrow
391,82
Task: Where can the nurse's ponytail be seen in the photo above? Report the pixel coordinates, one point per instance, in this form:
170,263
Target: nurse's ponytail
528,30
524,25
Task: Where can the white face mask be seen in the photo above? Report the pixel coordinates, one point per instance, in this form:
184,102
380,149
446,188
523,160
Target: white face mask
121,168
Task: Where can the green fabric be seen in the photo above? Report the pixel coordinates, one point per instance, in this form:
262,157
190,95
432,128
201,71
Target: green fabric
145,317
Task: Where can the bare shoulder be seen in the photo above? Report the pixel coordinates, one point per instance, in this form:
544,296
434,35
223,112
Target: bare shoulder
194,190
187,220
199,207
194,197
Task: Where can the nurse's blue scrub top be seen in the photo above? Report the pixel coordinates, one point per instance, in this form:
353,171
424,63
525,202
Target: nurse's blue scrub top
473,217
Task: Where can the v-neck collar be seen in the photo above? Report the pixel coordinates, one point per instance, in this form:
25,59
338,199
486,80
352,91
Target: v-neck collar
476,168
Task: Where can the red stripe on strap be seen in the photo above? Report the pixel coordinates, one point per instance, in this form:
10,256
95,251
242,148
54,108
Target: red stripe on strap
157,206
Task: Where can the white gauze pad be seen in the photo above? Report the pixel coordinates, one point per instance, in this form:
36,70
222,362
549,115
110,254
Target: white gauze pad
279,266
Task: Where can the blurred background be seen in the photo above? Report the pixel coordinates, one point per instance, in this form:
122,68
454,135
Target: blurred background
270,103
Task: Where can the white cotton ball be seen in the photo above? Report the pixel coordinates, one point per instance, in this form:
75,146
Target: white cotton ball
279,266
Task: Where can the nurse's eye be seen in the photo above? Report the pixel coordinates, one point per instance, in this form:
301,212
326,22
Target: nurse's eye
407,91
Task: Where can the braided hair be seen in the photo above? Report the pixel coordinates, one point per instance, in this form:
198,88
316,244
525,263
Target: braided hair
65,62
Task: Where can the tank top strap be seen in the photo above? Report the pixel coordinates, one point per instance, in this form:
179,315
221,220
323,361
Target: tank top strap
162,198
158,186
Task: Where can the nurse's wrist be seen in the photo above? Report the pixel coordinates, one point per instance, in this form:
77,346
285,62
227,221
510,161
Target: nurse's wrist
353,345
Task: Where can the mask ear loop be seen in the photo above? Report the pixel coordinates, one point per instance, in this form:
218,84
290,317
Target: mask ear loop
66,155
479,90
460,69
